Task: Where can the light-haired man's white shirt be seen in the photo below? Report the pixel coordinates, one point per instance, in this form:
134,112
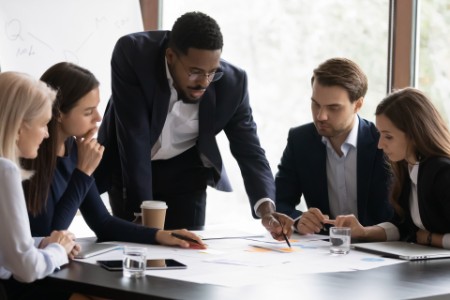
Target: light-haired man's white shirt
342,175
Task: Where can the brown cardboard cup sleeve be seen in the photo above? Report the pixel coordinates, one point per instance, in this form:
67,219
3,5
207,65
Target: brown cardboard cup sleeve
153,213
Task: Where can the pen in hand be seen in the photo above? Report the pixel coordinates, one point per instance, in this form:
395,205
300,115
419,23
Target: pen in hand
284,235
327,224
184,238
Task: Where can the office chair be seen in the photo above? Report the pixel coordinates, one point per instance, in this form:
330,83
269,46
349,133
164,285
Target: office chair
2,292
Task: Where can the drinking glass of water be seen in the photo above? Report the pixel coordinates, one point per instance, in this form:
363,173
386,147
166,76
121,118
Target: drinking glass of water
340,240
134,261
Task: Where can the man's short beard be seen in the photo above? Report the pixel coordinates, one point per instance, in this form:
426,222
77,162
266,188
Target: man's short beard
191,101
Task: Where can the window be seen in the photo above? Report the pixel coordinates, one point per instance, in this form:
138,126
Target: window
279,43
434,53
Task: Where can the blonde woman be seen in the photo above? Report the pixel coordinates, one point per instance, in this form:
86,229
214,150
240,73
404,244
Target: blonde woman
26,106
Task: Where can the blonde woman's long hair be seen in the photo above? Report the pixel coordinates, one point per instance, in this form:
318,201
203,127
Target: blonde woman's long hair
22,100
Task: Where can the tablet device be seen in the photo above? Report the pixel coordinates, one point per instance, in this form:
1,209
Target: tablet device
152,264
403,250
164,264
111,265
89,249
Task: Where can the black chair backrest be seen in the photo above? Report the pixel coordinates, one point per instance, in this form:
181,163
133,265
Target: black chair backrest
2,292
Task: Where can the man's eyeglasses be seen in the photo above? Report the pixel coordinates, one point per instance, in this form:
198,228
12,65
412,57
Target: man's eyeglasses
198,75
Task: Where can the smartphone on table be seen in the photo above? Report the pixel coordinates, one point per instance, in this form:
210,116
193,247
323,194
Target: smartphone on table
152,264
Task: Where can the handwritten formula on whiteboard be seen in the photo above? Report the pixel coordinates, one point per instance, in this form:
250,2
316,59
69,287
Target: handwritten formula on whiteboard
34,35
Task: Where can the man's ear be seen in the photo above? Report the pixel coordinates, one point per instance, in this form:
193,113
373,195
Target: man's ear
358,104
170,55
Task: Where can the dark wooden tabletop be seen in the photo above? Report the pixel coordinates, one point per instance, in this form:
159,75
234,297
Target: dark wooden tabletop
412,280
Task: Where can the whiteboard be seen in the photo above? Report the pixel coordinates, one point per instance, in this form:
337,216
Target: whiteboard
35,34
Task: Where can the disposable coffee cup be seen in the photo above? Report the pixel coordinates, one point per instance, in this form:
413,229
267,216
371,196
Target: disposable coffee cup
153,213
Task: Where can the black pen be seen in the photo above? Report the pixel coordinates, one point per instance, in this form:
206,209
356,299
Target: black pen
326,226
185,238
284,235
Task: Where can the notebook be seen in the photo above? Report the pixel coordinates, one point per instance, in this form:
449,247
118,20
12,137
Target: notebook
403,250
89,249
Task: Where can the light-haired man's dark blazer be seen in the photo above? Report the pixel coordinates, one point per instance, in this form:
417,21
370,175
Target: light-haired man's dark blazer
302,172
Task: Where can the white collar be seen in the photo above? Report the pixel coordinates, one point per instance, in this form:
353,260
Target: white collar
413,172
350,141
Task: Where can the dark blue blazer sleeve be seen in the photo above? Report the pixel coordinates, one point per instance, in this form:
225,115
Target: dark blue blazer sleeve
109,228
302,172
234,114
127,130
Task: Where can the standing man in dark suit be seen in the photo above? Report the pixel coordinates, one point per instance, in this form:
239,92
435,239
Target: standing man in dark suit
171,95
334,163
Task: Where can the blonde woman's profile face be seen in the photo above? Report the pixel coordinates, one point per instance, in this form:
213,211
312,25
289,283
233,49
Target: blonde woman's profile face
31,134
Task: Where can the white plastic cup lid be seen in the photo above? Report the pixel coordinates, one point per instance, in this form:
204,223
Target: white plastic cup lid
153,204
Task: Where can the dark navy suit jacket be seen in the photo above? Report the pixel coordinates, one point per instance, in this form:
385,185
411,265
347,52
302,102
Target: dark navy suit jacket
302,171
138,108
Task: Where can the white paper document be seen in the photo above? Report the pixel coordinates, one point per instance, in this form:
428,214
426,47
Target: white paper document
239,262
227,234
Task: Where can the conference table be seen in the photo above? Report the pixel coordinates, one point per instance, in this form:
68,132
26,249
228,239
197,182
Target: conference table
411,280
426,279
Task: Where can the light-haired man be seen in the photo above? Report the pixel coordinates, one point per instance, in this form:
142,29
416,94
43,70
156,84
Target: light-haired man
334,162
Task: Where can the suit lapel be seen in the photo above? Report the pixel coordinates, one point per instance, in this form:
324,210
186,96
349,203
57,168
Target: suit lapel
160,105
322,179
159,112
364,165
206,140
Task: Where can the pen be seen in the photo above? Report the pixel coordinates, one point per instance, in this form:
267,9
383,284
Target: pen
327,224
184,238
284,235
